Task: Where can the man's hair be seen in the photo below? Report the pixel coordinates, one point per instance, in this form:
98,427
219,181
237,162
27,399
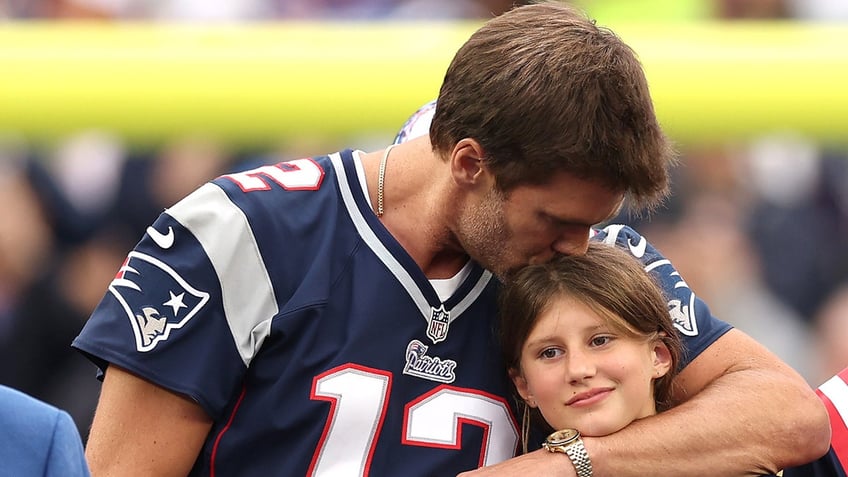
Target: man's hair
543,89
606,279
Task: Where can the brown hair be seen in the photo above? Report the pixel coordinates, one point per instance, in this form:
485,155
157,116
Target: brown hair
543,89
608,280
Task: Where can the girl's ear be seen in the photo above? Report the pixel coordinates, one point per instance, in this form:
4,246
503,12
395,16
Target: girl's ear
661,359
521,386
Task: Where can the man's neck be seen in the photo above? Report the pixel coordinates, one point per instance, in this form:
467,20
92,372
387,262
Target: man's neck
417,206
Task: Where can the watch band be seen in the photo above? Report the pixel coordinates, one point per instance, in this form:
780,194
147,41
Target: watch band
568,442
580,458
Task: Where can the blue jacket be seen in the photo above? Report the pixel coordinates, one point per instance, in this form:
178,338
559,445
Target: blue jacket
37,439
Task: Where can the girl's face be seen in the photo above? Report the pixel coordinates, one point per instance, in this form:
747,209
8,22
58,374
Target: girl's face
581,373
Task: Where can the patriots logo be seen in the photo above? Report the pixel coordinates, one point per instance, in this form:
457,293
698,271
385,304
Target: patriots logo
681,303
166,305
681,315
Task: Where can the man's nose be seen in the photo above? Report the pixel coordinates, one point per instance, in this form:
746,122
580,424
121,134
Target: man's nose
572,244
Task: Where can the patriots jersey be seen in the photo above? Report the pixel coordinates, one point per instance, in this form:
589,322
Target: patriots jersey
276,299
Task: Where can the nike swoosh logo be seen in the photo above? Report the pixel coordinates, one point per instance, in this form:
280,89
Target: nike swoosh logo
163,240
638,250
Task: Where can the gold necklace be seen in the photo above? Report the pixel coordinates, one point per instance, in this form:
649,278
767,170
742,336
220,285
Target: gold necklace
381,180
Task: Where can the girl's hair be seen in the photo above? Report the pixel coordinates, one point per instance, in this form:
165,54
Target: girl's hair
607,279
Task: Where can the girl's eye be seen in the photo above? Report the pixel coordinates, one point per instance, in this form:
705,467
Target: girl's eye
601,340
550,353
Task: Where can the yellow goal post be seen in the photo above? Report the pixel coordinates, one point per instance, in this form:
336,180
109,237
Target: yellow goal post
262,83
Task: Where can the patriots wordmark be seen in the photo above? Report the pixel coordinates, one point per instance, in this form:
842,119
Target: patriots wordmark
428,367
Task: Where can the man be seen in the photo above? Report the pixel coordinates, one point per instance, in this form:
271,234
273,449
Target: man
333,315
688,322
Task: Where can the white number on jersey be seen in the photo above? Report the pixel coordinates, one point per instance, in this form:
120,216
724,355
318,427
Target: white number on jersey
359,397
300,174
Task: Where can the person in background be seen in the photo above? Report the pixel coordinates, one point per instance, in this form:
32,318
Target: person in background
37,439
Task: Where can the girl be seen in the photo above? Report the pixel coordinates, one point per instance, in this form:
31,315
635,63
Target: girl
588,342
590,346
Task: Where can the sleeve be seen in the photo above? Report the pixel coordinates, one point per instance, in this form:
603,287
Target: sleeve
187,305
66,457
698,328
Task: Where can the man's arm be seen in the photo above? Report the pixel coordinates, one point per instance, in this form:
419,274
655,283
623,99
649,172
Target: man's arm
141,429
743,412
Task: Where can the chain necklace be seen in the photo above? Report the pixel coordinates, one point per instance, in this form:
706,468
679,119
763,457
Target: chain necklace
381,180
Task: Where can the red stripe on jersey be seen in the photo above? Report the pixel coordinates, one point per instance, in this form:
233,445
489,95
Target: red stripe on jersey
223,431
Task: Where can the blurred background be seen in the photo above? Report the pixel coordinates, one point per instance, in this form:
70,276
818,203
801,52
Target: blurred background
112,110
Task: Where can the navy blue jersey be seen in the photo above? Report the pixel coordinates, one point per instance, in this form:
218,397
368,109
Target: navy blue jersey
277,300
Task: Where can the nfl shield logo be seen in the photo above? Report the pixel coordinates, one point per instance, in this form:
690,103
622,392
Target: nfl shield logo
437,330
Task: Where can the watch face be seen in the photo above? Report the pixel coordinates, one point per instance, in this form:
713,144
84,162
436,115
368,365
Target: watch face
562,437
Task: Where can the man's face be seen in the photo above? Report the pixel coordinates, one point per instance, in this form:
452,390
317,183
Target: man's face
533,223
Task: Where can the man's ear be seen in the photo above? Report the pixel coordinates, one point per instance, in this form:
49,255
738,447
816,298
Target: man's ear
466,161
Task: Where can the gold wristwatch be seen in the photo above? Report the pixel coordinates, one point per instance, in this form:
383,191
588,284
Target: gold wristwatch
568,442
